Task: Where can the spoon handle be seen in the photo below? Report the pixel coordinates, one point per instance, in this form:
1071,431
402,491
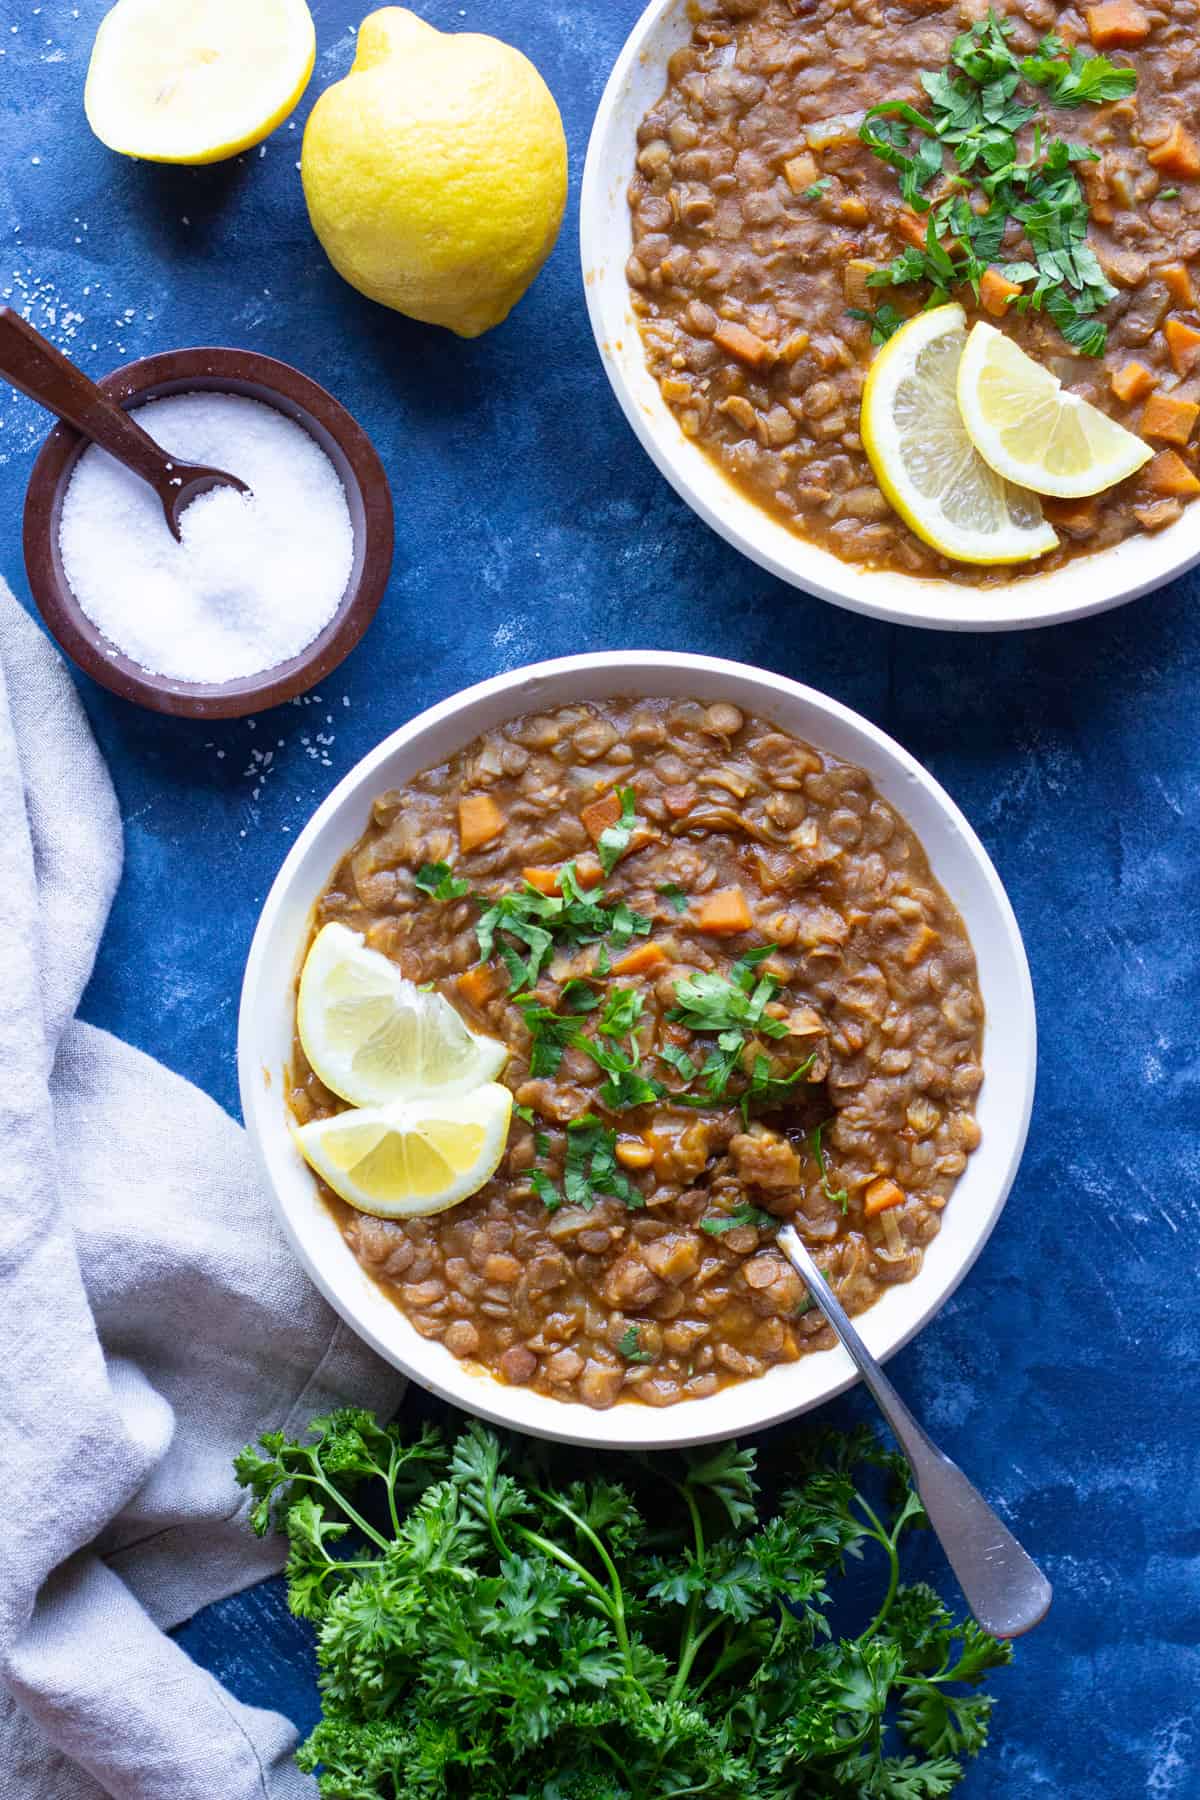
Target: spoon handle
34,365
1004,1587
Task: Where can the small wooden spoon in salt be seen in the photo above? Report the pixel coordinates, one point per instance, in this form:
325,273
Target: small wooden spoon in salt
30,362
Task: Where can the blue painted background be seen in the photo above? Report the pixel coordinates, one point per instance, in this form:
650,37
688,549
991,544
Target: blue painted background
1064,1373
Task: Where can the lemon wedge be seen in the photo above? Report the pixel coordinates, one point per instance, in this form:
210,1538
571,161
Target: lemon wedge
924,461
408,1160
1026,428
374,1038
194,81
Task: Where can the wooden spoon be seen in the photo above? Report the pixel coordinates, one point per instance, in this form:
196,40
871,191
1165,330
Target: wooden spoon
32,363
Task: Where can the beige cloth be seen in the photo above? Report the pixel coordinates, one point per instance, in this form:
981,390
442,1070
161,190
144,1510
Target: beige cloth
152,1320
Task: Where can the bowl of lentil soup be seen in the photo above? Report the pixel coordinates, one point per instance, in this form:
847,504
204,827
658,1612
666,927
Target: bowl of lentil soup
497,1296
758,88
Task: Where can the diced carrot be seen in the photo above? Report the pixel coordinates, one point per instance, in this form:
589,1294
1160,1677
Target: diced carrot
479,821
725,911
1116,22
634,1153
746,345
1072,515
478,985
1177,278
544,880
598,815
1169,474
1178,154
1133,382
801,171
881,1194
587,873
1169,419
910,228
1183,341
639,960
922,939
995,292
854,209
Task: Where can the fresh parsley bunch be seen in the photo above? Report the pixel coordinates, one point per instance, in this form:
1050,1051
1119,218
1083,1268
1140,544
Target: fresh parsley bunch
489,1627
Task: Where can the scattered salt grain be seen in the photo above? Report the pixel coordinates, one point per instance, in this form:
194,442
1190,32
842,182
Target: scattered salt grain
255,579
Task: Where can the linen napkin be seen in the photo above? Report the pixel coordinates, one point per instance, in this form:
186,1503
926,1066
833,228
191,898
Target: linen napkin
152,1320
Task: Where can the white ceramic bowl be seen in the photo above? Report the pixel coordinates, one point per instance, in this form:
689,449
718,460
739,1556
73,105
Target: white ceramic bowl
958,860
1088,585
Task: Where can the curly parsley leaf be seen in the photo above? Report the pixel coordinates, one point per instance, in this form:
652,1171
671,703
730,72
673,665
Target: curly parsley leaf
614,839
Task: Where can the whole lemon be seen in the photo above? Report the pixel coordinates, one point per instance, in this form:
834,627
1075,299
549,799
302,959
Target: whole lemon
436,172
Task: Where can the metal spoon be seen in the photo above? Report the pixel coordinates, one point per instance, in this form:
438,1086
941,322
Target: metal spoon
33,364
1004,1587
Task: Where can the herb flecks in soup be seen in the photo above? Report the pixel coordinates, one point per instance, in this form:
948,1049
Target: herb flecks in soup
734,994
817,171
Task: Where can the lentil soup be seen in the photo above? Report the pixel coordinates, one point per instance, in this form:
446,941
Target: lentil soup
759,215
748,1000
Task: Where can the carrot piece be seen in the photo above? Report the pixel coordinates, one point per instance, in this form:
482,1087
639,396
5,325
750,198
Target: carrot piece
881,1194
995,292
1133,382
1165,417
1072,515
910,228
725,911
1183,341
746,345
598,815
1178,154
478,985
588,874
801,171
639,960
479,821
1169,474
1116,22
1177,278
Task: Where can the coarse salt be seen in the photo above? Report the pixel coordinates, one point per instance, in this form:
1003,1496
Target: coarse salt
256,577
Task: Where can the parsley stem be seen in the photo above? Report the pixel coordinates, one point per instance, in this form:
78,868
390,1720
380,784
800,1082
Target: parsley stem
339,1499
612,1603
888,1540
618,1594
693,1605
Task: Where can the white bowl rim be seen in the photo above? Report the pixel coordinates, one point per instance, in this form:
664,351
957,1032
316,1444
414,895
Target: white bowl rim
344,1284
1082,587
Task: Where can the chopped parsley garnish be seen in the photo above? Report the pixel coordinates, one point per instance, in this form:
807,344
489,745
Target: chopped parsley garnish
630,1346
974,112
536,921
679,1060
578,996
767,1089
883,321
815,189
622,1011
549,1033
545,1190
718,1223
614,839
711,1003
1167,194
671,890
439,880
591,1167
837,1196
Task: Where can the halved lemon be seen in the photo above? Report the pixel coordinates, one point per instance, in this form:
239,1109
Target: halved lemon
1030,431
924,461
373,1037
403,1161
194,81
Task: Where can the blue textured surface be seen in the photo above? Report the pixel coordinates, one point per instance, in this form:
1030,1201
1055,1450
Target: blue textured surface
1063,1374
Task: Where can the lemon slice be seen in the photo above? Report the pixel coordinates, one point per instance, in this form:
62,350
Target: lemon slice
1028,430
374,1038
925,462
416,1158
193,81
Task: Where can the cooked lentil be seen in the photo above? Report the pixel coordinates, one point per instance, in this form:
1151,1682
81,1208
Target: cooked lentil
870,974
758,214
